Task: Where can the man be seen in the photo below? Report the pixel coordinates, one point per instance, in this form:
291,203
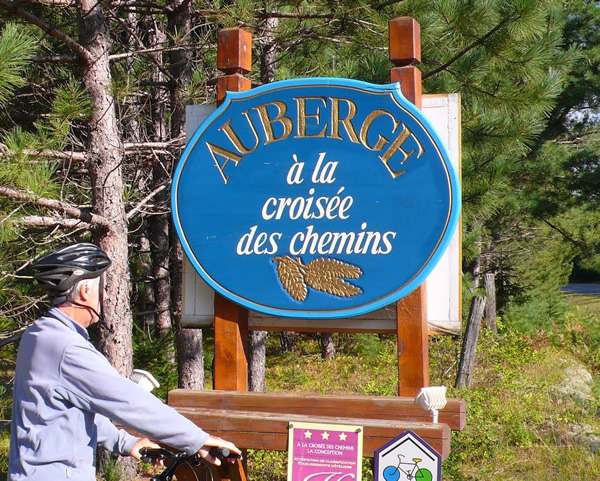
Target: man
66,392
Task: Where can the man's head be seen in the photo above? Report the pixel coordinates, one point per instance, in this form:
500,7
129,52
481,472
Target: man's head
74,274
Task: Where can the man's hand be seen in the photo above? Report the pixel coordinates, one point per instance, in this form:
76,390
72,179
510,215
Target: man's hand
214,441
139,444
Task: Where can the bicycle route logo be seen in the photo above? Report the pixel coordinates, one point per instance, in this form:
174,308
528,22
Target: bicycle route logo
315,198
407,458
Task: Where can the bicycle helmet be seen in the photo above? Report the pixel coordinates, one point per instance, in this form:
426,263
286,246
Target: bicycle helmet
63,268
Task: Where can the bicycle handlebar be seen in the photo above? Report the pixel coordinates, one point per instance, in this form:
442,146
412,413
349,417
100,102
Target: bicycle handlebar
150,454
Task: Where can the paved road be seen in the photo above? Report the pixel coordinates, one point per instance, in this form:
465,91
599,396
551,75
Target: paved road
586,289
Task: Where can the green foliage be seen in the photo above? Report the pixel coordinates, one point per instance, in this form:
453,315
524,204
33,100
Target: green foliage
363,369
17,47
112,471
520,422
4,450
267,465
155,355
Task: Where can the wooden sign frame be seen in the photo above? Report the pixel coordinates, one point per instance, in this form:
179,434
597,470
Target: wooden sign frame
231,321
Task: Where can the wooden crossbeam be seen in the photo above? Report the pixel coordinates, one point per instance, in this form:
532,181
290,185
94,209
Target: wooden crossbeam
369,407
269,431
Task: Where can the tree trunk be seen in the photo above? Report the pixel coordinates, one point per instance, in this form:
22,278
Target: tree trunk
189,341
327,346
257,343
105,162
105,153
467,356
190,358
161,167
287,341
489,283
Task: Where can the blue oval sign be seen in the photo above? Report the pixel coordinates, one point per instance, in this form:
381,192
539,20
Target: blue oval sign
315,198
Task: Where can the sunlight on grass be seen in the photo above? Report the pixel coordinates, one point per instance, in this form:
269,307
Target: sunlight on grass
591,303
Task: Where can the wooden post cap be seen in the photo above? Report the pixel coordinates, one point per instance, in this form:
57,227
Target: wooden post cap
405,41
234,50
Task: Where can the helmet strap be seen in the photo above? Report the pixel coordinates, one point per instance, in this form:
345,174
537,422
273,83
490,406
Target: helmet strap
99,315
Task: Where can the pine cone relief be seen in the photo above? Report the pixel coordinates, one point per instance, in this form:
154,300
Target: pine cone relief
324,275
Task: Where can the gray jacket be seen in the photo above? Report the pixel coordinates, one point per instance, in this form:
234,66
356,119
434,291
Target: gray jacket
65,392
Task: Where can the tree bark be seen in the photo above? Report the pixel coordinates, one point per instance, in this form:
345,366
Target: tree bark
467,356
161,174
490,316
257,343
105,160
327,346
189,341
105,157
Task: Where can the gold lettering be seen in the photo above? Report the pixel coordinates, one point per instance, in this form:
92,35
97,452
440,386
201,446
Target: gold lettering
227,154
396,146
364,130
267,122
235,140
346,122
302,116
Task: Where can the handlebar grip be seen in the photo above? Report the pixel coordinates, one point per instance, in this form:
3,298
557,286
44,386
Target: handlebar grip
222,453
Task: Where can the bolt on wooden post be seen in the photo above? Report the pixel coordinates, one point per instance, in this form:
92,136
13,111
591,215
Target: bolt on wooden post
234,59
411,311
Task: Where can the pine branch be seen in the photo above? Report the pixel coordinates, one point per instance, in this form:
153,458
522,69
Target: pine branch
297,16
14,336
56,205
53,154
74,46
145,200
126,55
131,147
47,221
562,232
470,47
387,3
60,59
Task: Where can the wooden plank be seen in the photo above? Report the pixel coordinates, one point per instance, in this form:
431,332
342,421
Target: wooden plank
231,334
373,407
269,431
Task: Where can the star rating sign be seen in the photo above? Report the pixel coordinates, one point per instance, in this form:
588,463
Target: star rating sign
325,435
307,435
343,436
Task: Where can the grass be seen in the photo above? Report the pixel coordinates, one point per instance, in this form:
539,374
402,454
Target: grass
590,303
522,425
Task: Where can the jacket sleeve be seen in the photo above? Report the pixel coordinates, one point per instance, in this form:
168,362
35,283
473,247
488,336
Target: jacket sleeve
89,382
110,437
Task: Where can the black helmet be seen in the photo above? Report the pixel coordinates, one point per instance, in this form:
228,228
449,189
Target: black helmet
63,268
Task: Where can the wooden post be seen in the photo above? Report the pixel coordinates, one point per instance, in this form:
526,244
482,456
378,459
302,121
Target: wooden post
489,284
234,59
411,311
467,355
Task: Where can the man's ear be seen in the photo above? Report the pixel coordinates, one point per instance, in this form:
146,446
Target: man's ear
84,290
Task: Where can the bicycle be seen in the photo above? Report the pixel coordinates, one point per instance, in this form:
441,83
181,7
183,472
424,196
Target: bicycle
196,464
414,471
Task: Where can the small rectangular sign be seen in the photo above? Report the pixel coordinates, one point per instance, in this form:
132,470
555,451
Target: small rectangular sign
324,452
